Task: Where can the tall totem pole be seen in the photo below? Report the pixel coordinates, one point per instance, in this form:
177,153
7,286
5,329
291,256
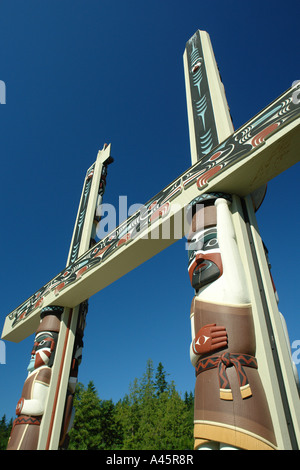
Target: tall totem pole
246,395
45,409
231,402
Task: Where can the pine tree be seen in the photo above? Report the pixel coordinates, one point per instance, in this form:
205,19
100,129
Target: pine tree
161,384
109,429
5,430
128,416
85,434
177,423
189,399
147,409
147,382
152,416
95,424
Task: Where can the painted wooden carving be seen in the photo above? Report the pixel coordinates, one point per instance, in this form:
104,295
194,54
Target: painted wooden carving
30,407
69,411
235,148
231,409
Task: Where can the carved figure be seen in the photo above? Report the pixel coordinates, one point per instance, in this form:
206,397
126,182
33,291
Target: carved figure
231,408
30,407
69,411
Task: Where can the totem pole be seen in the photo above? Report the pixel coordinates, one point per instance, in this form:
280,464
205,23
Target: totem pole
246,395
31,406
45,410
69,411
231,409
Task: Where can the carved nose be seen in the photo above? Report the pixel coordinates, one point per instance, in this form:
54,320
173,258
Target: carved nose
196,279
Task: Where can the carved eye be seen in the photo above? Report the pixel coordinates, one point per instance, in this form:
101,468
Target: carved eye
196,66
212,242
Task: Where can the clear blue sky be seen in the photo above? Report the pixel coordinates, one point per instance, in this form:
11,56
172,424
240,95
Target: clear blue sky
79,74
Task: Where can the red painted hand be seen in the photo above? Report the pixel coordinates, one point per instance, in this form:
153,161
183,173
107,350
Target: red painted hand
19,406
209,338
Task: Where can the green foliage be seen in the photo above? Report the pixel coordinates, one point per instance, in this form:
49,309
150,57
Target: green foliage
95,424
151,417
161,384
5,429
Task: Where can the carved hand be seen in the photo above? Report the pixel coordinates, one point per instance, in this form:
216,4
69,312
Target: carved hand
209,338
19,406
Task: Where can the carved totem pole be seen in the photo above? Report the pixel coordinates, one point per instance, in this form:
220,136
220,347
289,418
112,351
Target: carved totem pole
231,404
31,406
231,408
35,398
245,395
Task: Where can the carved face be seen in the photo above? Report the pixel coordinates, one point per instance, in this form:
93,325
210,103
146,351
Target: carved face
43,348
205,264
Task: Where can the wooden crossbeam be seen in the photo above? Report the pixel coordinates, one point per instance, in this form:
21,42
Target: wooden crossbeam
264,147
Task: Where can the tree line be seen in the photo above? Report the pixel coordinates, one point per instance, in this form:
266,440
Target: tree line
151,416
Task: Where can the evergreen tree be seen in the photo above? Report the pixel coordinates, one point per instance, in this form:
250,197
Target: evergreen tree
165,423
147,409
152,416
110,432
5,430
85,434
189,399
161,384
95,424
147,382
176,423
128,415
